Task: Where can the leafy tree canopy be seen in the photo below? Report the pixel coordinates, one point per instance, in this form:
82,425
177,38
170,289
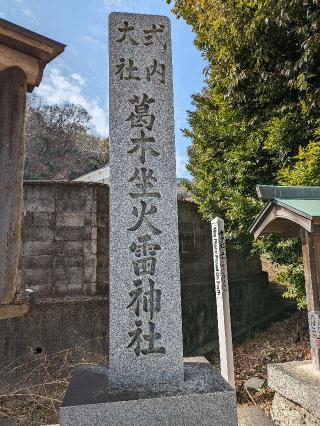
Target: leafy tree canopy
257,119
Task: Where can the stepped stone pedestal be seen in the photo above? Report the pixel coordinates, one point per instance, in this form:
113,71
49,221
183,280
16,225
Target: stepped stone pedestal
203,398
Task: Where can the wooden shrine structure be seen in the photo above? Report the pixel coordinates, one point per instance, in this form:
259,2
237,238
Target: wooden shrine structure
295,212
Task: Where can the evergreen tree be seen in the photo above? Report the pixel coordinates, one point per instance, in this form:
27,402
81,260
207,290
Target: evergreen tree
260,107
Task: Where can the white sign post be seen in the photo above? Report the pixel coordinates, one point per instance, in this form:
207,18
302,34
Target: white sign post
222,298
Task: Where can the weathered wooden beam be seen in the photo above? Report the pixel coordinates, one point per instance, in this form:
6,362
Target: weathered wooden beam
13,87
21,39
21,306
310,250
311,262
13,310
28,42
278,219
27,50
31,66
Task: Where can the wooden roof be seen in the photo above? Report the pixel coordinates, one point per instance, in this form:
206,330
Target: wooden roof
288,210
27,50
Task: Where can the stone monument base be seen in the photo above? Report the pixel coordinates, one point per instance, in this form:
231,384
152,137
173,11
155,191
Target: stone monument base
297,398
204,398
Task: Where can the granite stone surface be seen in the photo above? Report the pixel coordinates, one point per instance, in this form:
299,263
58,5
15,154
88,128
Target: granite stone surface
287,413
298,382
203,398
145,300
254,383
253,416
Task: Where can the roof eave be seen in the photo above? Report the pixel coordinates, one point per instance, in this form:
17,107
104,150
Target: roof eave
270,192
27,50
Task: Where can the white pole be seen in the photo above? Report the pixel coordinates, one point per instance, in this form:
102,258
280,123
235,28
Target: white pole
222,298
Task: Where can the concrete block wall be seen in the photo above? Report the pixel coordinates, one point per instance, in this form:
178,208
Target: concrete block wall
64,238
247,284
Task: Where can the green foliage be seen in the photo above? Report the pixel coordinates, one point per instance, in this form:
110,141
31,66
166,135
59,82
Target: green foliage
278,250
287,253
259,111
306,168
293,278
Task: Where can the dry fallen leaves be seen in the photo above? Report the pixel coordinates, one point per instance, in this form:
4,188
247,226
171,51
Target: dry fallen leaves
282,341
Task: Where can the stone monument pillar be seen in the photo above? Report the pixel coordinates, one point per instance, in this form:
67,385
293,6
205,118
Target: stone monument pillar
146,382
145,312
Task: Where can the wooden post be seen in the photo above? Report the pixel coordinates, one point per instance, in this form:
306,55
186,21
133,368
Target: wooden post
222,299
23,57
13,88
311,262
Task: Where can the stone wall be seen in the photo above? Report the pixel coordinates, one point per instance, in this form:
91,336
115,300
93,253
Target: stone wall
247,284
64,258
65,238
52,326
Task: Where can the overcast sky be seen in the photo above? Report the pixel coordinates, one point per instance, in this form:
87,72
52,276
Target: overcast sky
79,75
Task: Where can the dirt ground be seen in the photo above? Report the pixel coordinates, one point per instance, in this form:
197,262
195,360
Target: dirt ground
283,341
39,392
